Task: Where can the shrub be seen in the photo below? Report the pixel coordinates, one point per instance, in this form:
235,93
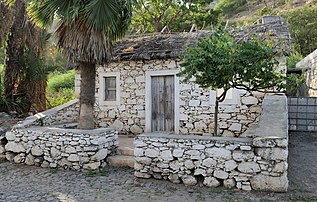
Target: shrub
303,27
58,81
60,88
60,97
293,59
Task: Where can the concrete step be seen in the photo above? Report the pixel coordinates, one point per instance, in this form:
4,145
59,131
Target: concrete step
121,161
126,151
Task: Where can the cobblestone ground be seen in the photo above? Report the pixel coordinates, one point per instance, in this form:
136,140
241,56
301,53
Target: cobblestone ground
24,183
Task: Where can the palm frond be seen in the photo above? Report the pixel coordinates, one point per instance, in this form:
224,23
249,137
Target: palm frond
79,44
87,28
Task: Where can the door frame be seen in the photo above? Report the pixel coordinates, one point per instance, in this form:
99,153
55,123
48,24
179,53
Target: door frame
148,97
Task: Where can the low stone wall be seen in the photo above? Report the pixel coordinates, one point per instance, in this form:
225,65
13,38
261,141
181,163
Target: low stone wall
53,147
309,63
62,114
258,163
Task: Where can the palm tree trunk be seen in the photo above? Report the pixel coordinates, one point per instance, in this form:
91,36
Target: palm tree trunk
87,96
15,50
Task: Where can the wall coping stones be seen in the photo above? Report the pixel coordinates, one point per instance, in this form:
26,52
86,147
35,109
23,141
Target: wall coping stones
32,119
194,137
92,132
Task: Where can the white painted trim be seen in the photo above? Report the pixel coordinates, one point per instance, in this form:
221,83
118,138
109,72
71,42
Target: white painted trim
148,93
102,88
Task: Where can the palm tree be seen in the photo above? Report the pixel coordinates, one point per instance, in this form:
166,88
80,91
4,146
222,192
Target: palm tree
6,20
22,39
86,31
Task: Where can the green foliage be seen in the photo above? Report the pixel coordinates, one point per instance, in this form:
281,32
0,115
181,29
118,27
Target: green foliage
55,61
4,105
2,55
303,27
178,15
58,81
60,97
293,59
60,88
295,85
111,16
230,7
220,61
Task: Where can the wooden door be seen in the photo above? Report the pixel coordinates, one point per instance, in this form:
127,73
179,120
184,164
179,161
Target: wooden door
163,102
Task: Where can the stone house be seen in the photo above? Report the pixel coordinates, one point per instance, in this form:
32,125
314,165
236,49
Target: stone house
309,66
139,90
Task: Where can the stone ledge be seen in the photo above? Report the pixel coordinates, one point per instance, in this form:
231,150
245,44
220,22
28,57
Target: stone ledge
66,130
194,137
32,119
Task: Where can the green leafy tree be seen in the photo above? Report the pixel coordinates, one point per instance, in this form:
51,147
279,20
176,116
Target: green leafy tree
177,15
222,62
303,27
85,33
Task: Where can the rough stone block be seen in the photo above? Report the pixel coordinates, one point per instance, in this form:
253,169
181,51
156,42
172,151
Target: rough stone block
249,167
218,153
269,183
189,180
153,153
239,155
272,153
167,155
14,147
220,174
211,182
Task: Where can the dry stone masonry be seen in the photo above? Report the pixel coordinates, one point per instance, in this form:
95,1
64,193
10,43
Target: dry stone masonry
234,163
258,163
195,108
309,63
62,114
53,147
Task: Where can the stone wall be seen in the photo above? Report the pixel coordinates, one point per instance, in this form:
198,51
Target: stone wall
258,163
53,147
196,109
62,114
309,64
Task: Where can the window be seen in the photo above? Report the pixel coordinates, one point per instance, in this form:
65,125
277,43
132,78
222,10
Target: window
109,88
232,97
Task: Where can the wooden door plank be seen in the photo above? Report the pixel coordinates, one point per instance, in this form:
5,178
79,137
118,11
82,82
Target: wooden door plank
169,103
162,103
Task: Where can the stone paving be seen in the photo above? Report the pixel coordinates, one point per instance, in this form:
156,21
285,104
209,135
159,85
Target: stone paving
20,183
25,183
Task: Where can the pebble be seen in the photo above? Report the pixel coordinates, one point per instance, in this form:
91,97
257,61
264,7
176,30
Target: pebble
29,183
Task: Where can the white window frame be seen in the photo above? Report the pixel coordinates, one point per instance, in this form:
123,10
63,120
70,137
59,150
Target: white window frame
148,97
234,101
102,89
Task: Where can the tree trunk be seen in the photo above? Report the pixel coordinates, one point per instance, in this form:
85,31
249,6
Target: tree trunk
216,118
15,49
87,96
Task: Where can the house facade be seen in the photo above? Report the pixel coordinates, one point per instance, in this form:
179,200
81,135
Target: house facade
140,91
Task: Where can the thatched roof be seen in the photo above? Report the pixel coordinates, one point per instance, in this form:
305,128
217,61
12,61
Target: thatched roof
162,46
